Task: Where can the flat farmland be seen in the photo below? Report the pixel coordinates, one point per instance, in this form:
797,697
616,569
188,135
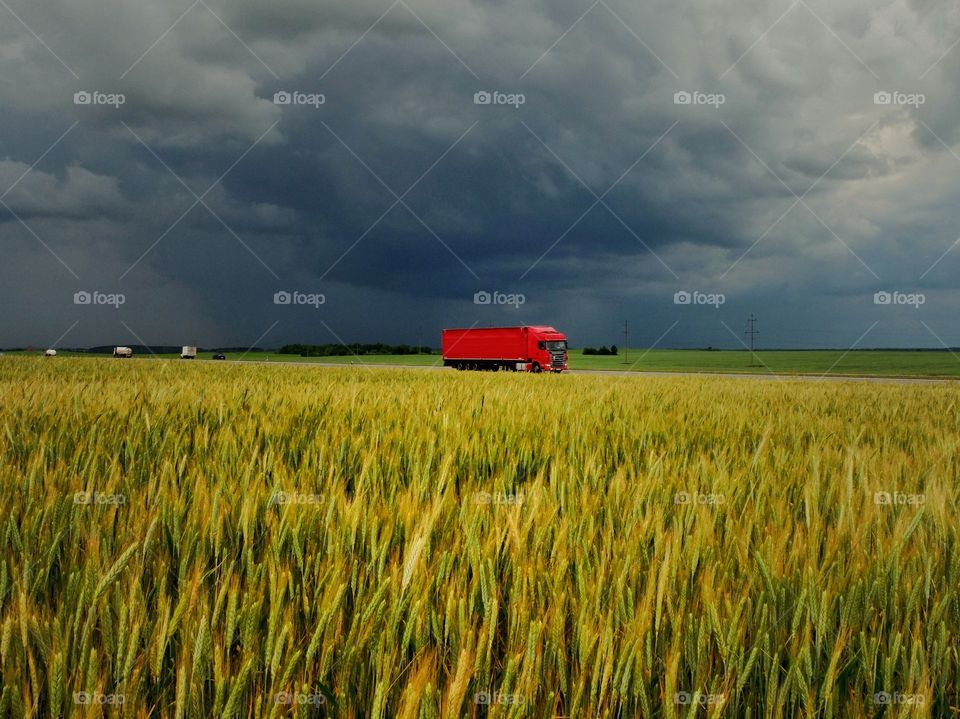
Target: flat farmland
231,539
859,363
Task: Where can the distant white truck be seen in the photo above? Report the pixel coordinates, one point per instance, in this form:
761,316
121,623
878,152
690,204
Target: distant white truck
50,353
188,352
122,352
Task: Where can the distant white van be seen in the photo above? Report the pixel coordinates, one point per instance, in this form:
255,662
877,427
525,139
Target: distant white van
50,353
123,352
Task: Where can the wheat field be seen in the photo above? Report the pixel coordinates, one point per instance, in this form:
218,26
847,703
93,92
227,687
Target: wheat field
213,539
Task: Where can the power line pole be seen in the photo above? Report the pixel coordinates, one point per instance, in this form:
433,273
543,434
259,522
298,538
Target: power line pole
751,332
626,343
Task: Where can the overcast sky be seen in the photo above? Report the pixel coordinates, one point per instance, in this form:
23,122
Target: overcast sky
736,151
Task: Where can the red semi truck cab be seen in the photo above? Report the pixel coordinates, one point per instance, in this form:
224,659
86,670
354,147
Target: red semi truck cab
516,349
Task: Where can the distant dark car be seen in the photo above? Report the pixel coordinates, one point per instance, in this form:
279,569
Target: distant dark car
220,356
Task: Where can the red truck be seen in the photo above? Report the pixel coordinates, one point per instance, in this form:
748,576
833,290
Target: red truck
516,349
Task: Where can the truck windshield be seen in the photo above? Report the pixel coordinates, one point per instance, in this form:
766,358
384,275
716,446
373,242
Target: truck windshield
557,345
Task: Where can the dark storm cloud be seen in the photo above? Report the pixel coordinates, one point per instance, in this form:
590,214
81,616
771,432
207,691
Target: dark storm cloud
797,195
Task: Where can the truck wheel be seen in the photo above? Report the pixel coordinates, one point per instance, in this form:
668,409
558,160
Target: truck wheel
536,368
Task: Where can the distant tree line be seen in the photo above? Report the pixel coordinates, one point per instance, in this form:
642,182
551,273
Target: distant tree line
605,351
338,350
158,349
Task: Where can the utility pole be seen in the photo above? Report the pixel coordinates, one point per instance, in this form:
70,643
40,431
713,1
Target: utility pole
751,332
626,335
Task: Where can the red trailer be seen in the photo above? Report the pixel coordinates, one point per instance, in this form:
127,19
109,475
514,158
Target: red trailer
523,349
